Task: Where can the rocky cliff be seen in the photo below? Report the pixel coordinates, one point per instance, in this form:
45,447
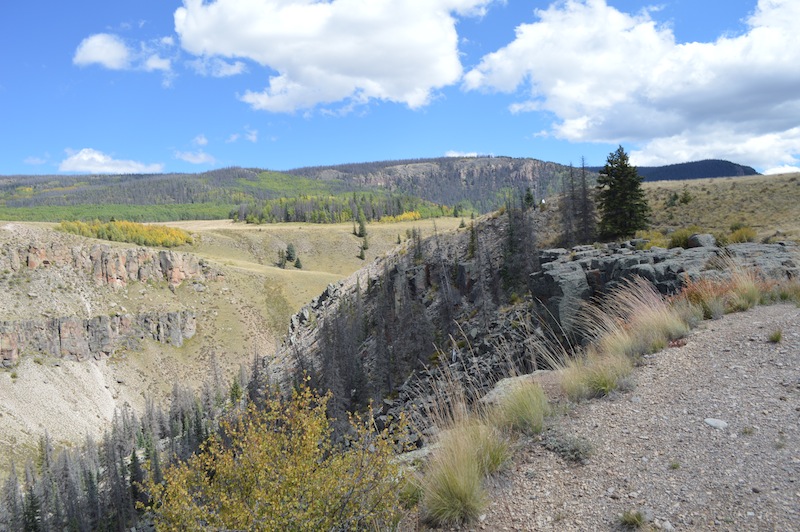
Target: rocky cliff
79,339
450,180
568,277
105,264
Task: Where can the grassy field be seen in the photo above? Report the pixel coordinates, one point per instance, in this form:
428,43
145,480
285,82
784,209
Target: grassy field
328,252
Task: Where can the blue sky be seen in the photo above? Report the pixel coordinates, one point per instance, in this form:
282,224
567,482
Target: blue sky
169,86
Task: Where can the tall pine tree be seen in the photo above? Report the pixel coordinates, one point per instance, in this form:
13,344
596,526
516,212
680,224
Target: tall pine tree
620,198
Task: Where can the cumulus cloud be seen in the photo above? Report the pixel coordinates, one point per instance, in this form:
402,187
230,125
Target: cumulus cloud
200,140
92,161
103,49
112,52
195,157
610,76
324,52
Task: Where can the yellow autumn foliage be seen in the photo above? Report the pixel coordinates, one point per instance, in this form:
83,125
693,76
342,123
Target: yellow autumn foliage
124,231
278,469
407,216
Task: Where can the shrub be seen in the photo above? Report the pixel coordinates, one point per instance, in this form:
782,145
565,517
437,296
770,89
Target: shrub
570,448
277,467
680,237
743,234
631,520
775,336
708,295
654,238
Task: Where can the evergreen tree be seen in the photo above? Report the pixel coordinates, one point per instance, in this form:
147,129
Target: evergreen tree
298,264
529,201
621,201
12,504
291,254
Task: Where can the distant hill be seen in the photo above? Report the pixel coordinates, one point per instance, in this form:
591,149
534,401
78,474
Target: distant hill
692,170
476,183
482,182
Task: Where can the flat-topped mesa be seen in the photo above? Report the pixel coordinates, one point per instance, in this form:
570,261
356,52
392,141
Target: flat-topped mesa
79,339
109,265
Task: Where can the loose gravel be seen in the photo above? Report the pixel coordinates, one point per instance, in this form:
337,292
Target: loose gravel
708,439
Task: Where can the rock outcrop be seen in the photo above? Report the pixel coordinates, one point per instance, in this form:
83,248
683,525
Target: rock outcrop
108,265
79,339
569,277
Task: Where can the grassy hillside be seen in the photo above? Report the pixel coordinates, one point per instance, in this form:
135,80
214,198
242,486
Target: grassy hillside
768,204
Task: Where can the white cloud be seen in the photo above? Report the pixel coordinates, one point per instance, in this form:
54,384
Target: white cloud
609,76
453,153
325,52
112,52
200,140
92,161
154,62
216,67
35,161
782,170
196,157
251,134
233,137
103,49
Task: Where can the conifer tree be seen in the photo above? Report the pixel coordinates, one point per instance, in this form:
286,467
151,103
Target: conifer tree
621,201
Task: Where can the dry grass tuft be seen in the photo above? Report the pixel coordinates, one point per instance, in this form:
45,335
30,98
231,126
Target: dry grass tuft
452,486
523,409
595,375
633,320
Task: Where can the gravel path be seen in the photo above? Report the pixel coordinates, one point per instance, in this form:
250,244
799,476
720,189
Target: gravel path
655,451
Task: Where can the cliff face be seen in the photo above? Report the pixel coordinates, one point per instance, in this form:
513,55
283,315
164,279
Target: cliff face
107,265
365,337
450,180
41,270
79,339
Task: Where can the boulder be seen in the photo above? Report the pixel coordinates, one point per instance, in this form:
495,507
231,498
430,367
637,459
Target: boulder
702,240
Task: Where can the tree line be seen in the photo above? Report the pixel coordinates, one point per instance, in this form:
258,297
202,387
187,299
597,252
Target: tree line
342,208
